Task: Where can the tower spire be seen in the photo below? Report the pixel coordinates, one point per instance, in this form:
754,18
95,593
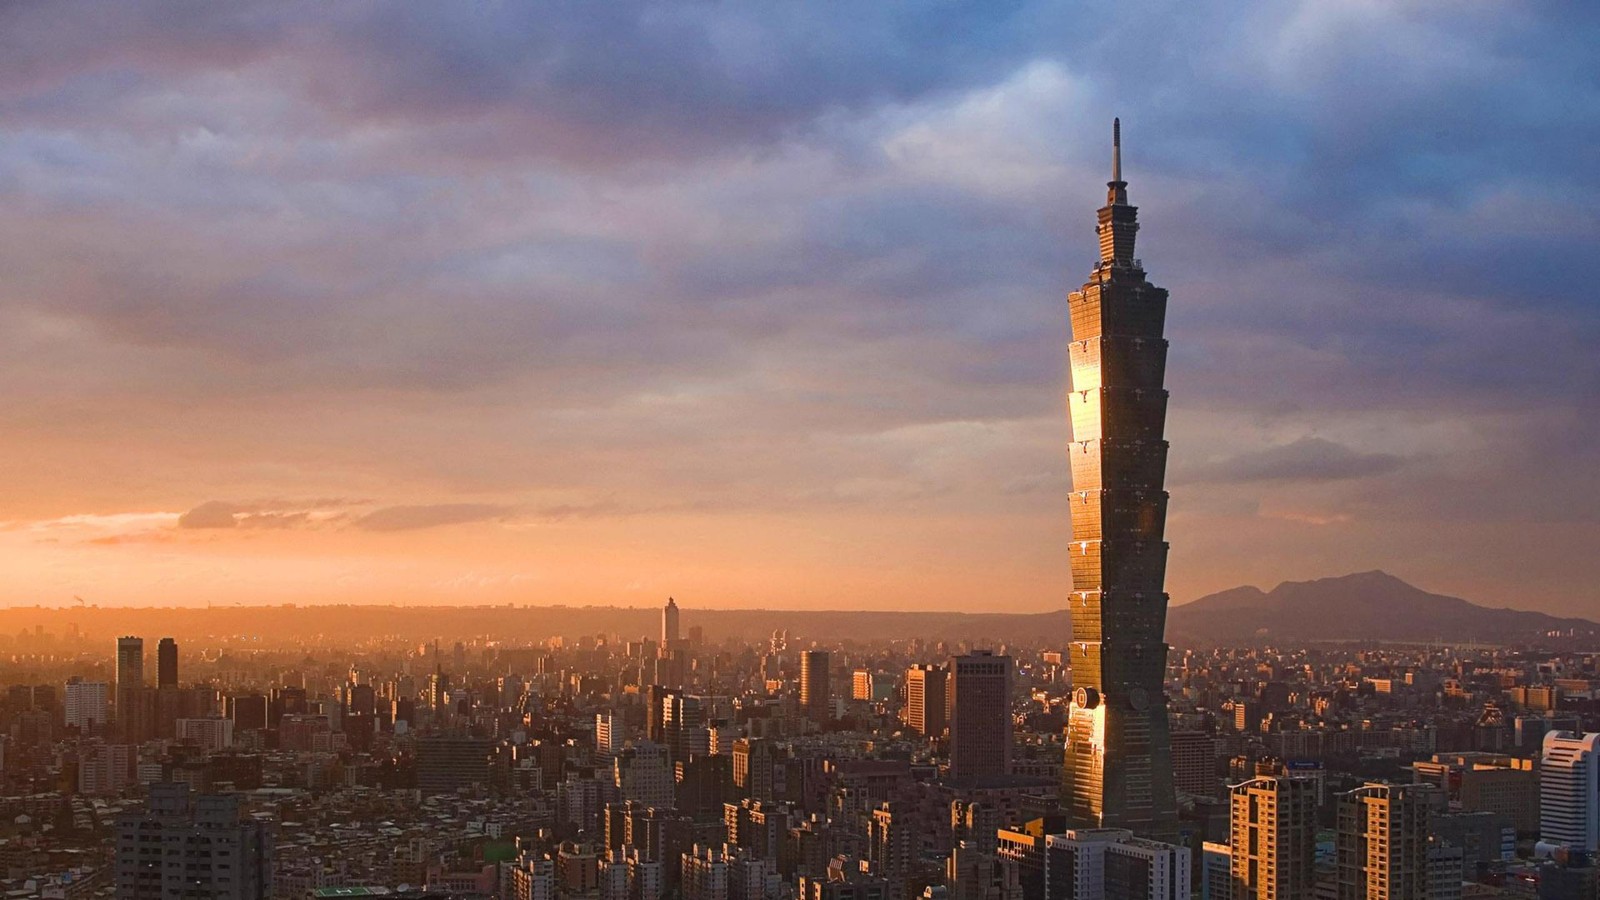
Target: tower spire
1116,150
1117,195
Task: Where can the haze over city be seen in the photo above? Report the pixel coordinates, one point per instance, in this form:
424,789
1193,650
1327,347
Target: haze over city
765,307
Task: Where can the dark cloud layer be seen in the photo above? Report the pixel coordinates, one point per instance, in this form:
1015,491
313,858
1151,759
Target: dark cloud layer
800,257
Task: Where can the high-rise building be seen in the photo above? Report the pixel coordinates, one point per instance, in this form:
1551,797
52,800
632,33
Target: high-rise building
861,684
130,689
87,704
753,767
447,764
1194,764
669,626
1273,838
644,774
1382,843
167,663
1118,766
1569,791
187,846
815,685
1112,864
980,715
607,731
927,699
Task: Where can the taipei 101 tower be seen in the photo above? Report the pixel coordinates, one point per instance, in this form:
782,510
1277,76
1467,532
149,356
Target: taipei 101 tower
1118,771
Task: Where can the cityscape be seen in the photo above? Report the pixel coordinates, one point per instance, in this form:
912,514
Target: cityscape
447,653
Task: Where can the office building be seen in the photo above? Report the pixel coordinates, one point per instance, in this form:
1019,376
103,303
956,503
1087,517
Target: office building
815,686
1569,791
130,689
1486,782
188,846
1382,843
980,715
1272,834
927,699
448,764
1113,864
1117,771
87,705
1194,764
861,685
167,663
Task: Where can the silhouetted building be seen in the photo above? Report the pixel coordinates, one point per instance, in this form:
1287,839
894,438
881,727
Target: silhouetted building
167,663
980,715
1118,766
447,764
815,685
133,713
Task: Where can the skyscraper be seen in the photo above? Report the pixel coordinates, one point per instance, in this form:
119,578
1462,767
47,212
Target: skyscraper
927,699
980,715
1383,843
167,663
1118,766
815,687
130,687
669,626
1569,791
1273,838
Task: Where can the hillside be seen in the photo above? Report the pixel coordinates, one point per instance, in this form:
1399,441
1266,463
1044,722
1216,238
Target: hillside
1366,605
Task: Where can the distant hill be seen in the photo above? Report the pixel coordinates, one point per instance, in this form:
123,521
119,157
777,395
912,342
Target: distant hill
1367,606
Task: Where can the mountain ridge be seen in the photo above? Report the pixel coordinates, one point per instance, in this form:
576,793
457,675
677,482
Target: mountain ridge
1371,605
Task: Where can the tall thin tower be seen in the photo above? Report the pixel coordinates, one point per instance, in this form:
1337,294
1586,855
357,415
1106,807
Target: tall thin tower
669,626
1118,771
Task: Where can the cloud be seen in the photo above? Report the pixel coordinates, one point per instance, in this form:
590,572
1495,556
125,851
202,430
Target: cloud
211,514
794,258
408,518
1309,459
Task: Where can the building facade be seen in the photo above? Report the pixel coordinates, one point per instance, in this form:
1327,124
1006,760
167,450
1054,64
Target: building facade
980,715
1569,791
184,845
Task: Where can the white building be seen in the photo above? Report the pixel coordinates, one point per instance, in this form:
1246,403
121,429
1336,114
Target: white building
88,704
1088,859
1569,792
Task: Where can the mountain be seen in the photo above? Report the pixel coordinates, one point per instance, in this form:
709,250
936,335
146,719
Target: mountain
1364,606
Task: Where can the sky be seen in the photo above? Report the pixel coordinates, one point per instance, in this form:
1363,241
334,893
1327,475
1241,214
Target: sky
765,304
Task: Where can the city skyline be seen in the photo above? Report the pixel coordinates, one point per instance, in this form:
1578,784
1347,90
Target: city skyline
439,307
